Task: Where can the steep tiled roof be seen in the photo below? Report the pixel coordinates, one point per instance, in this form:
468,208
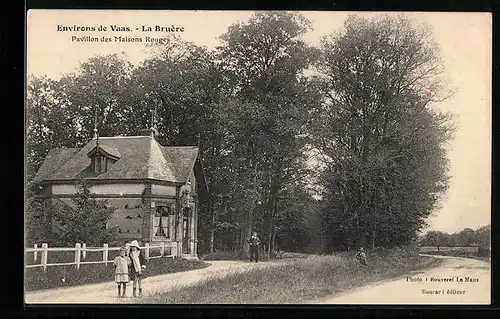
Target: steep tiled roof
54,159
141,157
184,157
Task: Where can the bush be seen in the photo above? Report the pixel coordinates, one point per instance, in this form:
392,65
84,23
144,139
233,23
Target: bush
221,255
484,252
67,276
84,221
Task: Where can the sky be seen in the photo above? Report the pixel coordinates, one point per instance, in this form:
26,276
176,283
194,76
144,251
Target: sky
465,41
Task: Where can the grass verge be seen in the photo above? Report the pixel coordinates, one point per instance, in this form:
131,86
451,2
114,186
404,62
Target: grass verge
68,276
229,255
297,280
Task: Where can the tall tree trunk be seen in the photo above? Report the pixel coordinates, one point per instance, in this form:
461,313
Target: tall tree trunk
243,234
274,215
245,247
373,238
273,246
358,229
249,228
271,225
270,236
212,229
236,245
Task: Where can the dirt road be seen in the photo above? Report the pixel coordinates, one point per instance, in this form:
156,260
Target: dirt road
426,287
105,293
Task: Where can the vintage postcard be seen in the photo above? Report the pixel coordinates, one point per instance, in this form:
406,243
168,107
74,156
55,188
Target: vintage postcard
267,157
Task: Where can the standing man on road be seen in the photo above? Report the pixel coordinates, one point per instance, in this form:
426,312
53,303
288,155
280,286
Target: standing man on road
254,247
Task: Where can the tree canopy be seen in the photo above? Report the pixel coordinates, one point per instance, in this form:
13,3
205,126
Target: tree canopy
466,237
254,109
383,143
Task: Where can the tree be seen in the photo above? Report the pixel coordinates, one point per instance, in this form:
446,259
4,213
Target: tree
47,121
483,236
262,63
435,239
62,113
182,84
296,226
37,222
466,237
83,220
100,87
382,143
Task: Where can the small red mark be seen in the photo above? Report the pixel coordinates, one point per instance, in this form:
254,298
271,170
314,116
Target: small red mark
428,93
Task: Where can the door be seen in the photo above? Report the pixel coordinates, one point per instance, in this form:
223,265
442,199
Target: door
186,230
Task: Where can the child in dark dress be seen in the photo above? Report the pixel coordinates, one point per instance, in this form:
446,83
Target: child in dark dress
138,262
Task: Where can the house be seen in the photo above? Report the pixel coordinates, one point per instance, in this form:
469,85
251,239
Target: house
154,189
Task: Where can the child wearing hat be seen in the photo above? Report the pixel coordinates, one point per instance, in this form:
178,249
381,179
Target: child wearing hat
138,266
121,263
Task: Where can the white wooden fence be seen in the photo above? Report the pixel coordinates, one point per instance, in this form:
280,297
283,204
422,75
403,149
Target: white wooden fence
81,250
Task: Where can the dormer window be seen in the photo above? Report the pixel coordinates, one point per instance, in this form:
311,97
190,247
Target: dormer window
102,158
100,164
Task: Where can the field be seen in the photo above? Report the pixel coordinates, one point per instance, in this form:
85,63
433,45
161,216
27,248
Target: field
458,251
297,279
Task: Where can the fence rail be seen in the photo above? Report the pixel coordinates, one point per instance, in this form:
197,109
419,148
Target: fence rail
81,250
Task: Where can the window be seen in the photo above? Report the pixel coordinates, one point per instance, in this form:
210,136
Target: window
102,158
100,164
161,222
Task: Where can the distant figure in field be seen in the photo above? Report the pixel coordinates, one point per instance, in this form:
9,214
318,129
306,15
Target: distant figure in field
254,247
122,262
138,262
361,256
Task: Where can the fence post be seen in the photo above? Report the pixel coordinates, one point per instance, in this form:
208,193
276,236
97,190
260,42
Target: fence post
147,250
45,252
105,254
173,250
35,254
77,255
84,251
162,249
